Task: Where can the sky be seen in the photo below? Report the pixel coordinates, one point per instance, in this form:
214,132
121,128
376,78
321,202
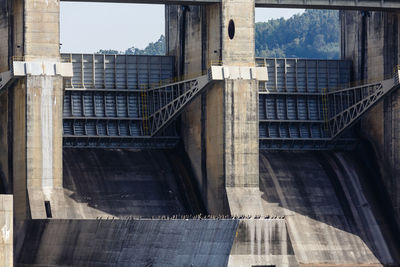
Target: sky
89,27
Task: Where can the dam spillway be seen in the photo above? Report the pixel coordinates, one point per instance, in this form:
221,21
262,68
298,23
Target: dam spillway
311,190
245,161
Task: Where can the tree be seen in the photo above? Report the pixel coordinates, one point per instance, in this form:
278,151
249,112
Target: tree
156,48
108,52
313,34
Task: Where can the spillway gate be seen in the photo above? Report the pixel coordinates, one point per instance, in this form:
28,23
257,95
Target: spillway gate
304,105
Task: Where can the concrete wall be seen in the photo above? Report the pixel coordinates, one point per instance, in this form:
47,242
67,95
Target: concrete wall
220,129
240,49
5,13
43,140
4,175
21,208
371,40
174,242
119,183
128,242
6,227
37,109
41,32
18,28
261,243
194,33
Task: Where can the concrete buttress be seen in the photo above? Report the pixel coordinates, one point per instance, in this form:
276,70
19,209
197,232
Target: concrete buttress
220,129
37,153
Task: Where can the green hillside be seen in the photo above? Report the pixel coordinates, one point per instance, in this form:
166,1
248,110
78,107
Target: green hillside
313,34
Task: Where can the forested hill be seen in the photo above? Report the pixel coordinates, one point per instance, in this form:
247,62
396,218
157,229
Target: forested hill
156,48
313,34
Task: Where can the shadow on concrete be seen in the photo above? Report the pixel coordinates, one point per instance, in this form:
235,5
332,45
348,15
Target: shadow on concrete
327,207
122,182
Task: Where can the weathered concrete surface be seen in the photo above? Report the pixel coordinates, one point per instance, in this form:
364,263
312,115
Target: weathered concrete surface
262,242
240,49
329,218
44,140
18,28
4,160
127,242
241,133
101,182
5,12
37,144
6,228
21,206
41,33
220,130
37,110
173,242
372,41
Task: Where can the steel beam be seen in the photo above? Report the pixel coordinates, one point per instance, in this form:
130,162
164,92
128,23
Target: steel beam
385,5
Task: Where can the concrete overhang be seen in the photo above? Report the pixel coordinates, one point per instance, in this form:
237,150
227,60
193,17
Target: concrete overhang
237,72
23,68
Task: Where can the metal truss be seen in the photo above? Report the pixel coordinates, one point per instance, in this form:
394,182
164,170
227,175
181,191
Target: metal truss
348,105
126,118
5,78
166,102
317,121
295,112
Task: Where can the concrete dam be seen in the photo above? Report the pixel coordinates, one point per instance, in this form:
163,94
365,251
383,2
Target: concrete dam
110,160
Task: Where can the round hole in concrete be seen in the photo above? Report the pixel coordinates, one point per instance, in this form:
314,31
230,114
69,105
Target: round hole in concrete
231,29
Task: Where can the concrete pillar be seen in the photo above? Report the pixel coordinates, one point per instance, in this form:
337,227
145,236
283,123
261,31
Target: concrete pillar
371,40
4,163
5,18
6,230
37,110
220,129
